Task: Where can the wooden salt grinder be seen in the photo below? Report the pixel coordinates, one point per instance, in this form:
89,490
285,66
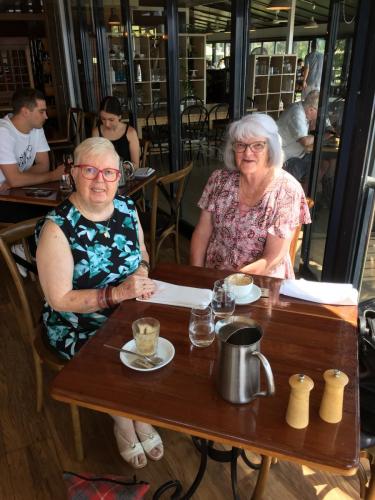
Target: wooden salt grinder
297,414
333,396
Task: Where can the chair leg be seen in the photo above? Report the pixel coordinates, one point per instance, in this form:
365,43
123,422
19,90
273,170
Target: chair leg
77,432
39,381
177,247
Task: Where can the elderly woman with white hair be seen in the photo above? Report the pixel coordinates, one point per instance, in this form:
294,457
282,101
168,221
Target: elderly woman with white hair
250,210
99,260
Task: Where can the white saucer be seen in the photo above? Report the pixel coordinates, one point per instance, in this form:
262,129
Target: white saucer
165,351
254,295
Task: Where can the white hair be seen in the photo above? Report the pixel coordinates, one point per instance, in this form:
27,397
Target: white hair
95,146
254,125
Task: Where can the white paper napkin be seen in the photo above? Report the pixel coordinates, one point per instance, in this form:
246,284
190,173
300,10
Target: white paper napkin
176,295
340,294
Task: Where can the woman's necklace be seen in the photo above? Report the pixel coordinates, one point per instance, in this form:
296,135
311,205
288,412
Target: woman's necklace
256,194
107,222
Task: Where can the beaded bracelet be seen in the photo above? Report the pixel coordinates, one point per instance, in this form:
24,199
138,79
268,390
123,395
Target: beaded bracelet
102,302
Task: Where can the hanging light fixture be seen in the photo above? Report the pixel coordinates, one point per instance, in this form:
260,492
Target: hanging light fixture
311,24
114,20
279,5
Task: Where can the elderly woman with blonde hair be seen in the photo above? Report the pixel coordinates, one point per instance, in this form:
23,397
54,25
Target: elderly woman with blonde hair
99,260
251,209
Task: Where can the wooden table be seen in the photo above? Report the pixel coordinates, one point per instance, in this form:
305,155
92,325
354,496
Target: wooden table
28,195
299,337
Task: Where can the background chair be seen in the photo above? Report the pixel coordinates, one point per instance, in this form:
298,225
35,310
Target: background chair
88,122
218,119
155,131
73,133
294,242
194,129
163,223
27,314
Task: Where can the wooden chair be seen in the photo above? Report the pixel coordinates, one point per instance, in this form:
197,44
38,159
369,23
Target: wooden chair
28,318
217,125
194,128
88,121
294,242
155,132
164,224
73,132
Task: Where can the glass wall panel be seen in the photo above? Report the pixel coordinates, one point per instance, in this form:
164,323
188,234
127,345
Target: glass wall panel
329,155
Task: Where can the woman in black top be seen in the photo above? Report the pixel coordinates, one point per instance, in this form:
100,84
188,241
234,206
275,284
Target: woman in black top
123,137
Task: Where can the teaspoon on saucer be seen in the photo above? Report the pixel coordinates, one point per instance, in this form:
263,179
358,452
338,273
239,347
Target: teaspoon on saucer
153,360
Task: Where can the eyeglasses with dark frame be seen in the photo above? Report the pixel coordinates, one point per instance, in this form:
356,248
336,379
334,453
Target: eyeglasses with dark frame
89,172
255,147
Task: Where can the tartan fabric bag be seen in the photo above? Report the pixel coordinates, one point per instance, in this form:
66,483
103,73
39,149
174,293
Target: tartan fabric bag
88,486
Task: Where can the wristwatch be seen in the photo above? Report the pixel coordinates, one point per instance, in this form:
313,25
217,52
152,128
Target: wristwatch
145,264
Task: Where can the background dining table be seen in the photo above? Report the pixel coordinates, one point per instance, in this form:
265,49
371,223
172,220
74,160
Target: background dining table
299,337
49,194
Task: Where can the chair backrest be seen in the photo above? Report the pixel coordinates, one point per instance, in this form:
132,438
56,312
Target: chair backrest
74,125
145,147
13,234
174,198
293,243
88,121
219,112
194,121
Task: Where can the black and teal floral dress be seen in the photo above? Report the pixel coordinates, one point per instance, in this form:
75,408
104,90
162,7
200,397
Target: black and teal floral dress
104,253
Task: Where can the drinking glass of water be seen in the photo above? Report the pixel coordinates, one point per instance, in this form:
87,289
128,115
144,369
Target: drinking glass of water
201,326
223,299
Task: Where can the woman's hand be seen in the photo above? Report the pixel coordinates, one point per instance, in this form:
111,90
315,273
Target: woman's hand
133,287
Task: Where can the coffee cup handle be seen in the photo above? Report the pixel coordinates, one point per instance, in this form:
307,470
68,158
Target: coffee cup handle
269,375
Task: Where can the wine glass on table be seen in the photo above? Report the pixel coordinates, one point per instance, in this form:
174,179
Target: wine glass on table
66,184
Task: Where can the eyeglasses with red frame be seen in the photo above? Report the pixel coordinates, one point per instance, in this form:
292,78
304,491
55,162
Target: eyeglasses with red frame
89,172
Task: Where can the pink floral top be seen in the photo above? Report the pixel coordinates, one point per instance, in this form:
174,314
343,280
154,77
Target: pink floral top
238,238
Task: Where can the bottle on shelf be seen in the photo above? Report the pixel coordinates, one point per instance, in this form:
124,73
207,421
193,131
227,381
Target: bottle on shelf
138,73
113,75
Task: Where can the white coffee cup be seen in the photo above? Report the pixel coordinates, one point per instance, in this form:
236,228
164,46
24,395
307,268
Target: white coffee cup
241,284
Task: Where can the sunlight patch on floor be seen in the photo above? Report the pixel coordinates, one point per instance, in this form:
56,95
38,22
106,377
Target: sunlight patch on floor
307,471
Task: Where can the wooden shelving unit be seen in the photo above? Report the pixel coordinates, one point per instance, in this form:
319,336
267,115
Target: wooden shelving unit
272,81
15,67
192,65
150,68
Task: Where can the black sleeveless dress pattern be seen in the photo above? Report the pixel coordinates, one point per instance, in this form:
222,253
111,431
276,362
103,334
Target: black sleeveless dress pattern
104,253
121,145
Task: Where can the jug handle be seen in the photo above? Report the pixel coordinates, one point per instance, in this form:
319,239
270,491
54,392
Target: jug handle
269,375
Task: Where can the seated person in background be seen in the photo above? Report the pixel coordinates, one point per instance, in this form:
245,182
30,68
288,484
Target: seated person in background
122,135
250,210
99,261
294,126
24,149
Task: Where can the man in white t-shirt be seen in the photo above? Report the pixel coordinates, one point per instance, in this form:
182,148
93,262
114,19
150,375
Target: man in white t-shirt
295,124
24,149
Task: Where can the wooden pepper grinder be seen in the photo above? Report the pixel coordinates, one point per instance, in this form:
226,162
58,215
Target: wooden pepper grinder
333,396
297,414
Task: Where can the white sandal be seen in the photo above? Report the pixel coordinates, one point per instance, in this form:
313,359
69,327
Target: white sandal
152,440
129,450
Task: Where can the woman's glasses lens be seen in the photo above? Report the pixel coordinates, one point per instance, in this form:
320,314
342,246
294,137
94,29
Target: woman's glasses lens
91,173
255,147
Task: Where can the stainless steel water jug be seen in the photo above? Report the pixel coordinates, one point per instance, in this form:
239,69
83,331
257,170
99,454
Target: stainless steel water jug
240,359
